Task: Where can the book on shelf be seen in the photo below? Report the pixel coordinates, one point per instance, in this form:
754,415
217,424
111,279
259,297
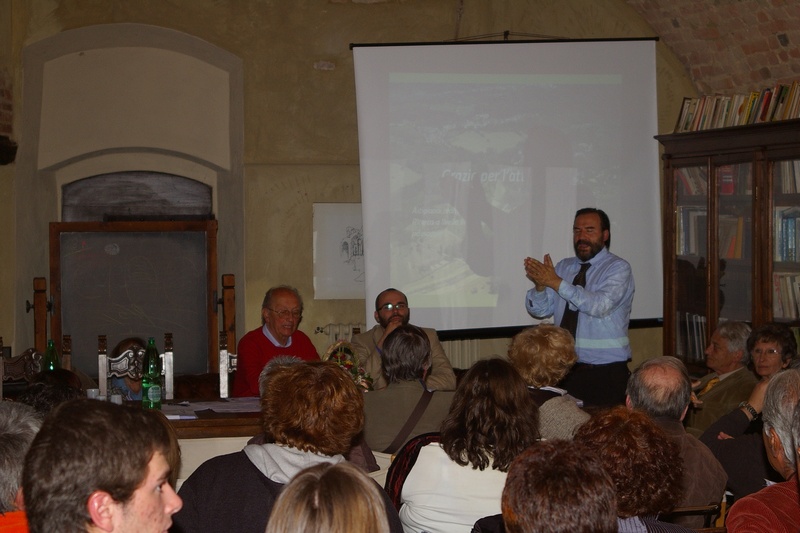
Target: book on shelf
726,181
777,300
694,180
786,228
731,236
692,227
785,295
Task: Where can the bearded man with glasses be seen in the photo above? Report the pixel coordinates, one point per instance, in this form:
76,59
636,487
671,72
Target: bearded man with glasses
281,313
392,311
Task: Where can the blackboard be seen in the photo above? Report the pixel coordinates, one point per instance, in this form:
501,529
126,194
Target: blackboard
140,279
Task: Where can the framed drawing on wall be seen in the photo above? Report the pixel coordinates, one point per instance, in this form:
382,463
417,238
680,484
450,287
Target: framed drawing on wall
338,252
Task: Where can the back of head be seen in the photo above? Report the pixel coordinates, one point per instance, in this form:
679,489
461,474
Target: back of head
312,406
559,487
85,446
736,333
780,401
44,396
329,498
543,354
280,360
638,456
406,354
660,387
19,424
492,418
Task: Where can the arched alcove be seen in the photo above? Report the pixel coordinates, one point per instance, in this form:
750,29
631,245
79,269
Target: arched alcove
144,106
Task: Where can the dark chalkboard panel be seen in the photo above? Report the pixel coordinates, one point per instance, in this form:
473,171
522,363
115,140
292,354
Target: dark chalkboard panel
141,279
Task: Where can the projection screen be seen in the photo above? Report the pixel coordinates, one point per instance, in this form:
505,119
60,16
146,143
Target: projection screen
476,155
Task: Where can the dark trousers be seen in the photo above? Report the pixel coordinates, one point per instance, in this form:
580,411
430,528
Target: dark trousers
598,385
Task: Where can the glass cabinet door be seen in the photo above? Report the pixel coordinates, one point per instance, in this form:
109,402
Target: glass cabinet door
786,236
735,241
691,248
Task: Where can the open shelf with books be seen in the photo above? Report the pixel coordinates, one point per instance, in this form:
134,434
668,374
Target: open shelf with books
731,231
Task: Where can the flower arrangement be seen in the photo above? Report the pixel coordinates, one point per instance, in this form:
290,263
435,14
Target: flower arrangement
341,352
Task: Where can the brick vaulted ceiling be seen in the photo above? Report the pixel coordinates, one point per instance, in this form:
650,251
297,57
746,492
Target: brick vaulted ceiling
729,46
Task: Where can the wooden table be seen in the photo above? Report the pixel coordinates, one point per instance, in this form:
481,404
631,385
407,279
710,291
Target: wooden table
210,424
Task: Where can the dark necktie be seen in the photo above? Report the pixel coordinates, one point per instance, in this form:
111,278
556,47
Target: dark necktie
570,319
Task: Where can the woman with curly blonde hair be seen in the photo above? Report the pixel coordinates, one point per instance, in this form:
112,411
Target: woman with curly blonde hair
543,355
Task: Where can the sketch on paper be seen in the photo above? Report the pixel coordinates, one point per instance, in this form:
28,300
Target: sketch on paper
338,251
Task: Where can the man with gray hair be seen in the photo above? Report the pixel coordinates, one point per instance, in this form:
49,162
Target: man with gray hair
730,381
661,388
281,313
776,508
19,424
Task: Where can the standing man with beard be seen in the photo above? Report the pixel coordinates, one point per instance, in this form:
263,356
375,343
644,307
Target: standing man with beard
596,311
391,311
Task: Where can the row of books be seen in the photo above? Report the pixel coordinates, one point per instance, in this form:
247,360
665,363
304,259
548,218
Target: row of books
785,295
786,176
692,230
781,102
691,331
733,179
692,235
786,227
693,180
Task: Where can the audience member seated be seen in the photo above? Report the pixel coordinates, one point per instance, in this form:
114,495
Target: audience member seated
99,467
772,348
559,487
392,311
359,454
19,424
730,381
281,313
447,486
398,411
312,412
642,461
661,389
776,508
330,498
129,387
543,355
50,389
737,434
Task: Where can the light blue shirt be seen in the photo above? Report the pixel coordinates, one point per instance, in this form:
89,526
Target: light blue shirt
268,334
604,306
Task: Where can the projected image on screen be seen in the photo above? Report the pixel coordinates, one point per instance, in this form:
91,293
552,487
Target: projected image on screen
472,161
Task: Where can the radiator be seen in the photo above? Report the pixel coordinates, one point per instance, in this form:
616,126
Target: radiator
462,353
336,332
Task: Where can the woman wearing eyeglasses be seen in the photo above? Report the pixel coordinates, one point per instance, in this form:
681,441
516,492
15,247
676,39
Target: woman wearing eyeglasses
735,439
772,348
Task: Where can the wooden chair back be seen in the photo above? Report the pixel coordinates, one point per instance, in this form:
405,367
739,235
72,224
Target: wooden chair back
20,368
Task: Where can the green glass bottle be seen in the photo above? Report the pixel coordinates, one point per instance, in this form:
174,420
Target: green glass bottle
51,359
151,376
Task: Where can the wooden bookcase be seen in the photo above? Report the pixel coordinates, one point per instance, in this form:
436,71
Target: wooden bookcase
731,231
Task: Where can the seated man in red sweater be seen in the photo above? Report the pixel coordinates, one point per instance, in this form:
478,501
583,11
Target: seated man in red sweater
775,508
281,313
